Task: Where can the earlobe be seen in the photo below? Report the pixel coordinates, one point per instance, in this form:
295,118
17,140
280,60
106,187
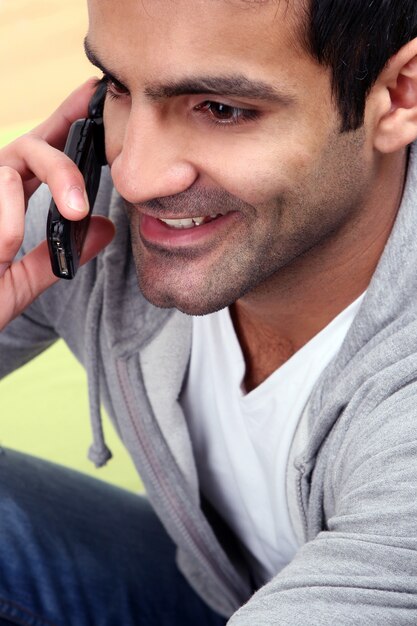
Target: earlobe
397,84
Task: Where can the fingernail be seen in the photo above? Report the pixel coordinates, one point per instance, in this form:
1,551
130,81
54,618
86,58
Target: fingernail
77,200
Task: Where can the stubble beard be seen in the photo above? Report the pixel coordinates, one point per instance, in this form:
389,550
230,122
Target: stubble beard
224,281
267,240
255,266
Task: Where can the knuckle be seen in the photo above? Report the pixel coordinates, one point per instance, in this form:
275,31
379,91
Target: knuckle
11,242
65,168
63,162
9,176
20,143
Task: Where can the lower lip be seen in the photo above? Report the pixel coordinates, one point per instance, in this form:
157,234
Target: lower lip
156,232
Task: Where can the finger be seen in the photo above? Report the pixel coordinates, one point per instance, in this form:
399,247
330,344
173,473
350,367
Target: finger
36,160
55,129
12,216
26,279
100,233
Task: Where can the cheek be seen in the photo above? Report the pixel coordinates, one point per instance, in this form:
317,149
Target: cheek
260,172
254,168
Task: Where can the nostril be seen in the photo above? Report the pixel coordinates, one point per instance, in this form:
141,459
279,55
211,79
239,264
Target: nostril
142,179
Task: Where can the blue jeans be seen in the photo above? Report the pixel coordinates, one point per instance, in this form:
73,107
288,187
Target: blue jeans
75,551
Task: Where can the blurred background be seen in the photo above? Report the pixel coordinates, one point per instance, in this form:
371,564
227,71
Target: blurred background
41,61
41,57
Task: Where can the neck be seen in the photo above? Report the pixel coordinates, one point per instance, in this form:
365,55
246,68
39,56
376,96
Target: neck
285,312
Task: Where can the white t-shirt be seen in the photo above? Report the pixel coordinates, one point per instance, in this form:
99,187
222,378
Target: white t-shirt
242,441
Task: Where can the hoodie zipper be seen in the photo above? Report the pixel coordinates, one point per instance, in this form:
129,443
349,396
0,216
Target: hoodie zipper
300,499
155,471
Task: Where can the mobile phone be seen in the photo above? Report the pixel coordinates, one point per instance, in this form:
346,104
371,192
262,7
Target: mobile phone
85,146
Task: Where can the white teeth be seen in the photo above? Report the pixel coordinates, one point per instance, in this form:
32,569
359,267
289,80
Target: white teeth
190,222
182,223
187,222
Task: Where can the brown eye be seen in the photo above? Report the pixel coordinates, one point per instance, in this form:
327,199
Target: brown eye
115,89
222,111
225,113
219,111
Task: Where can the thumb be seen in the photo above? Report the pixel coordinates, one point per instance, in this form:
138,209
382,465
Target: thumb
26,279
100,233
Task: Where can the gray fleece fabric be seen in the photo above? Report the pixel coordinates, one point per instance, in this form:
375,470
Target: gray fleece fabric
352,474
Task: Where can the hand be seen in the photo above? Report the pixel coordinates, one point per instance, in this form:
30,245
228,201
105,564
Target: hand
33,159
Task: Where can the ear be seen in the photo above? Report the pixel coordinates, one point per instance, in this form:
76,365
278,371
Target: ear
396,93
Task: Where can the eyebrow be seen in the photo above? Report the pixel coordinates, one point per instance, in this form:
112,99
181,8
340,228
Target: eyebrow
237,86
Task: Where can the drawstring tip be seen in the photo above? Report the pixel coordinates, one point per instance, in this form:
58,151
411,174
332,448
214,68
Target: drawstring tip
99,455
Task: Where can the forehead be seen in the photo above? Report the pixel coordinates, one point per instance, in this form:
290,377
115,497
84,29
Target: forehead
163,34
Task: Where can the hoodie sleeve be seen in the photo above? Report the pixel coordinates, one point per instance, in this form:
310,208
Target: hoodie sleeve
362,567
41,324
24,339
30,333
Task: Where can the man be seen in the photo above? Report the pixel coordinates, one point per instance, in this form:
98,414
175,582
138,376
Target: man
259,154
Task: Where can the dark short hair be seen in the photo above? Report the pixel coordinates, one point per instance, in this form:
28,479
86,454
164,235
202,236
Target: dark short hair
355,39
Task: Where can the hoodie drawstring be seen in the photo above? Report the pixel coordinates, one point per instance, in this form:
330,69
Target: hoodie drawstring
98,453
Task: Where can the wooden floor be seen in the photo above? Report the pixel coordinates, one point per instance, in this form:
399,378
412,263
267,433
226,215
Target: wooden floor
41,56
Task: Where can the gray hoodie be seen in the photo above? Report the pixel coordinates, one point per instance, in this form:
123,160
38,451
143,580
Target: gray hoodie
352,472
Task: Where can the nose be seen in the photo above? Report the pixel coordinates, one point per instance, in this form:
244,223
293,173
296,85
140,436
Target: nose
152,160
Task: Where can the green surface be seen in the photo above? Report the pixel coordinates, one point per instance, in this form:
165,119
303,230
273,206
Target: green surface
44,408
44,411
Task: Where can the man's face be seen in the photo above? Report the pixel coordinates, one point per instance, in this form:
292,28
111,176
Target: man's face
217,116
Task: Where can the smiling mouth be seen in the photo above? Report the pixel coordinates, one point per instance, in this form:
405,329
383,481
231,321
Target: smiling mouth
189,222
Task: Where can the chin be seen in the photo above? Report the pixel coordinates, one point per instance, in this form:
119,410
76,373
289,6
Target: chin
185,305
190,302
